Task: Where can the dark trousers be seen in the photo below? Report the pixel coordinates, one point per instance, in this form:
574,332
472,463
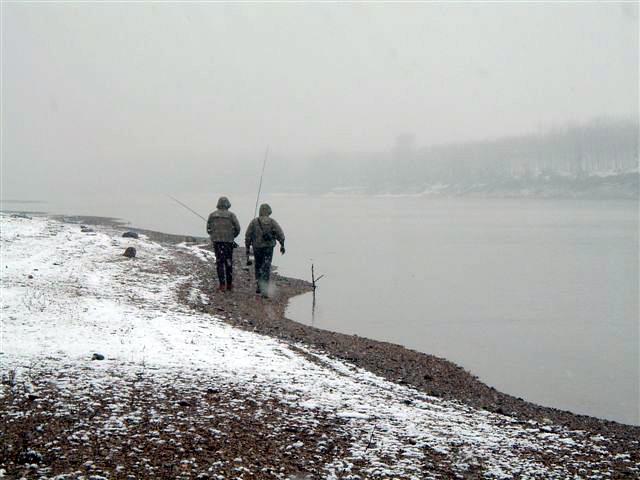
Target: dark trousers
224,261
263,257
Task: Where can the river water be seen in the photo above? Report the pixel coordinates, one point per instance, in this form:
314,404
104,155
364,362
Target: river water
539,298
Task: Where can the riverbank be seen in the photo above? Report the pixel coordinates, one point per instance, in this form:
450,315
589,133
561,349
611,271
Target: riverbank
194,380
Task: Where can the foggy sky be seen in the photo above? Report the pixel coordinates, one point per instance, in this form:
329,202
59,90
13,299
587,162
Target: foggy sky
88,89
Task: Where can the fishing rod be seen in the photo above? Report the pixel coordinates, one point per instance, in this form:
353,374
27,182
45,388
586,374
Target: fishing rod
187,207
255,211
264,164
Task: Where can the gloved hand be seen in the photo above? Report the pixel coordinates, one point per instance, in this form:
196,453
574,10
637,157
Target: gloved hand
282,249
249,262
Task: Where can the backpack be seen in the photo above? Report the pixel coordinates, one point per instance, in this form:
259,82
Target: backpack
267,236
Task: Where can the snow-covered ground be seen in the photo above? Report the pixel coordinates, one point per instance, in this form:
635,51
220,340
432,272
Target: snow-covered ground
67,294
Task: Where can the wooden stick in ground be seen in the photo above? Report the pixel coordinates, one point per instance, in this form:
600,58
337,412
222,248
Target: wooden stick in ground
314,280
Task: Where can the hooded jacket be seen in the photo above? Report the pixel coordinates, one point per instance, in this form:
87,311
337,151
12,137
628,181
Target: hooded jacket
263,231
222,225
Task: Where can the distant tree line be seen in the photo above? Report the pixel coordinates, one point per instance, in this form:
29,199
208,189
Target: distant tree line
577,151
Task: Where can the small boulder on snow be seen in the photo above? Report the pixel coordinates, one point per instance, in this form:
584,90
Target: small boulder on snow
130,235
130,252
97,356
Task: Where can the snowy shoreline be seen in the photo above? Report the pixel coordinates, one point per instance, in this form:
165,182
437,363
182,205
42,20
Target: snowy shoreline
67,294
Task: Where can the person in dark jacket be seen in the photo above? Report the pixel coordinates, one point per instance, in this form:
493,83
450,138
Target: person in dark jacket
223,227
262,234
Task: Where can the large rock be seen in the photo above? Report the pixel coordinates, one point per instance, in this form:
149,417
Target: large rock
130,252
130,234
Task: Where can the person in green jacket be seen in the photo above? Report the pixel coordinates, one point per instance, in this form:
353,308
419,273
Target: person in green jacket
223,227
262,234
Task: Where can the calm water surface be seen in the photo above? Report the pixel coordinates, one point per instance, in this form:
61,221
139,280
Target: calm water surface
539,298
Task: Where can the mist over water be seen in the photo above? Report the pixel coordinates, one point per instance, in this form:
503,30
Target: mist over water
113,98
